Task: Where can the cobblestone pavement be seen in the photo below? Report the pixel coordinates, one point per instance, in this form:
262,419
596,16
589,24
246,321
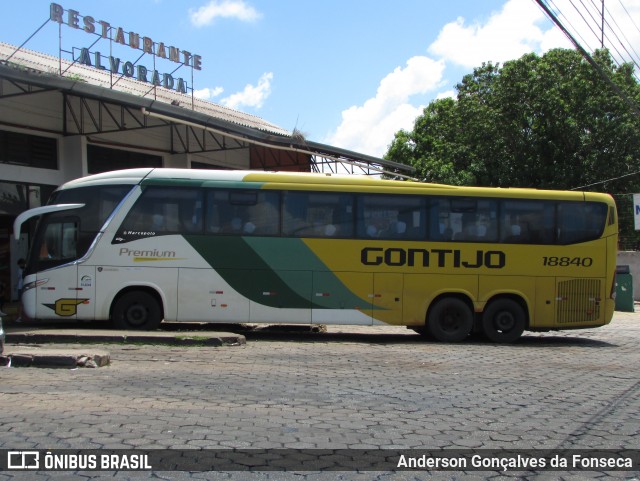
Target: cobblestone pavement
348,388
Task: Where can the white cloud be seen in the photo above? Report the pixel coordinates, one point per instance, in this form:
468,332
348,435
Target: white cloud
237,9
207,93
447,94
506,35
369,128
251,96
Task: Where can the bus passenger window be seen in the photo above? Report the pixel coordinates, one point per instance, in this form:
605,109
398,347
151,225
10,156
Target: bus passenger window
222,216
469,229
580,221
317,214
242,212
440,220
263,217
463,219
391,217
163,211
527,222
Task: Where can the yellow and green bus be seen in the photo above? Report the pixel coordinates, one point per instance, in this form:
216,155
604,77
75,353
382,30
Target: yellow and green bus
144,245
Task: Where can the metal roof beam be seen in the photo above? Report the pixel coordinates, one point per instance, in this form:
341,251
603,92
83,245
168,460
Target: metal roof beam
227,128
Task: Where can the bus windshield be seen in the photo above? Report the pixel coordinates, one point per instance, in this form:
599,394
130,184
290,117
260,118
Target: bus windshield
66,236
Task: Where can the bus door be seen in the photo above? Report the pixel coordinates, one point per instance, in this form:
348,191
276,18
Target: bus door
387,298
342,298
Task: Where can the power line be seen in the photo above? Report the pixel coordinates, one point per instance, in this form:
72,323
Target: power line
605,181
593,20
637,56
632,105
582,16
629,15
566,20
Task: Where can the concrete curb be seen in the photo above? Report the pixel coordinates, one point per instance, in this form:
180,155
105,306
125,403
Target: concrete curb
85,356
71,336
28,356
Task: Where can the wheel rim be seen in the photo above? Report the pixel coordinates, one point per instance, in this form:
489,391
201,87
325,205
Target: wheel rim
450,320
136,315
504,321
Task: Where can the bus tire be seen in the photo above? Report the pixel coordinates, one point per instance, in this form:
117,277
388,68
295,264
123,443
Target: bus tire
450,320
503,320
137,310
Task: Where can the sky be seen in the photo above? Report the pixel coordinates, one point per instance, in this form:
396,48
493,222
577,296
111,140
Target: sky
348,73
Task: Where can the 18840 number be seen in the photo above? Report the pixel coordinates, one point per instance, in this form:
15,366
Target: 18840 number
567,261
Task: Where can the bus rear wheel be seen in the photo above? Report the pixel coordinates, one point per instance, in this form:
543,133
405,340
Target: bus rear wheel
450,320
137,310
503,321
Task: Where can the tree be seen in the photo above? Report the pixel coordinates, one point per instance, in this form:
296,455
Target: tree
540,121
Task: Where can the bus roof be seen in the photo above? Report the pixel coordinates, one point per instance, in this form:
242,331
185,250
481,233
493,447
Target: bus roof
320,181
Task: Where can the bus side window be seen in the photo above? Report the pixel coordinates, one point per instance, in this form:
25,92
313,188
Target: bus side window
165,210
580,221
214,208
317,214
263,217
440,220
476,220
342,215
527,222
225,213
295,214
391,217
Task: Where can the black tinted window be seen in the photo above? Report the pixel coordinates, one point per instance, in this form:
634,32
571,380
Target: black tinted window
243,212
162,211
317,214
391,217
464,219
580,221
528,222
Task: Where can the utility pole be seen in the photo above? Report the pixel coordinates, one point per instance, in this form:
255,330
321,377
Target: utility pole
602,29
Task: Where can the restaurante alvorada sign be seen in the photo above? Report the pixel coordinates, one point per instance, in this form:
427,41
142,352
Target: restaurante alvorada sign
89,24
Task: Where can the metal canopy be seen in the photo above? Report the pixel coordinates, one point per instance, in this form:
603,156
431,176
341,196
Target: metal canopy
31,99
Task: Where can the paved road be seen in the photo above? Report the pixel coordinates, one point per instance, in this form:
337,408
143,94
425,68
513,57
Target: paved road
349,388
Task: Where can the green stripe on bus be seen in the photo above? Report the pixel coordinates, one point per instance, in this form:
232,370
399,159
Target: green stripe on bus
282,252
253,266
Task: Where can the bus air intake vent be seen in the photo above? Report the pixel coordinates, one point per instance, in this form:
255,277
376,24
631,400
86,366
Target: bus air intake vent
578,301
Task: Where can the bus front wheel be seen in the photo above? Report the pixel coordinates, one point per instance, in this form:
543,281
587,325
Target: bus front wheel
450,320
137,310
503,321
